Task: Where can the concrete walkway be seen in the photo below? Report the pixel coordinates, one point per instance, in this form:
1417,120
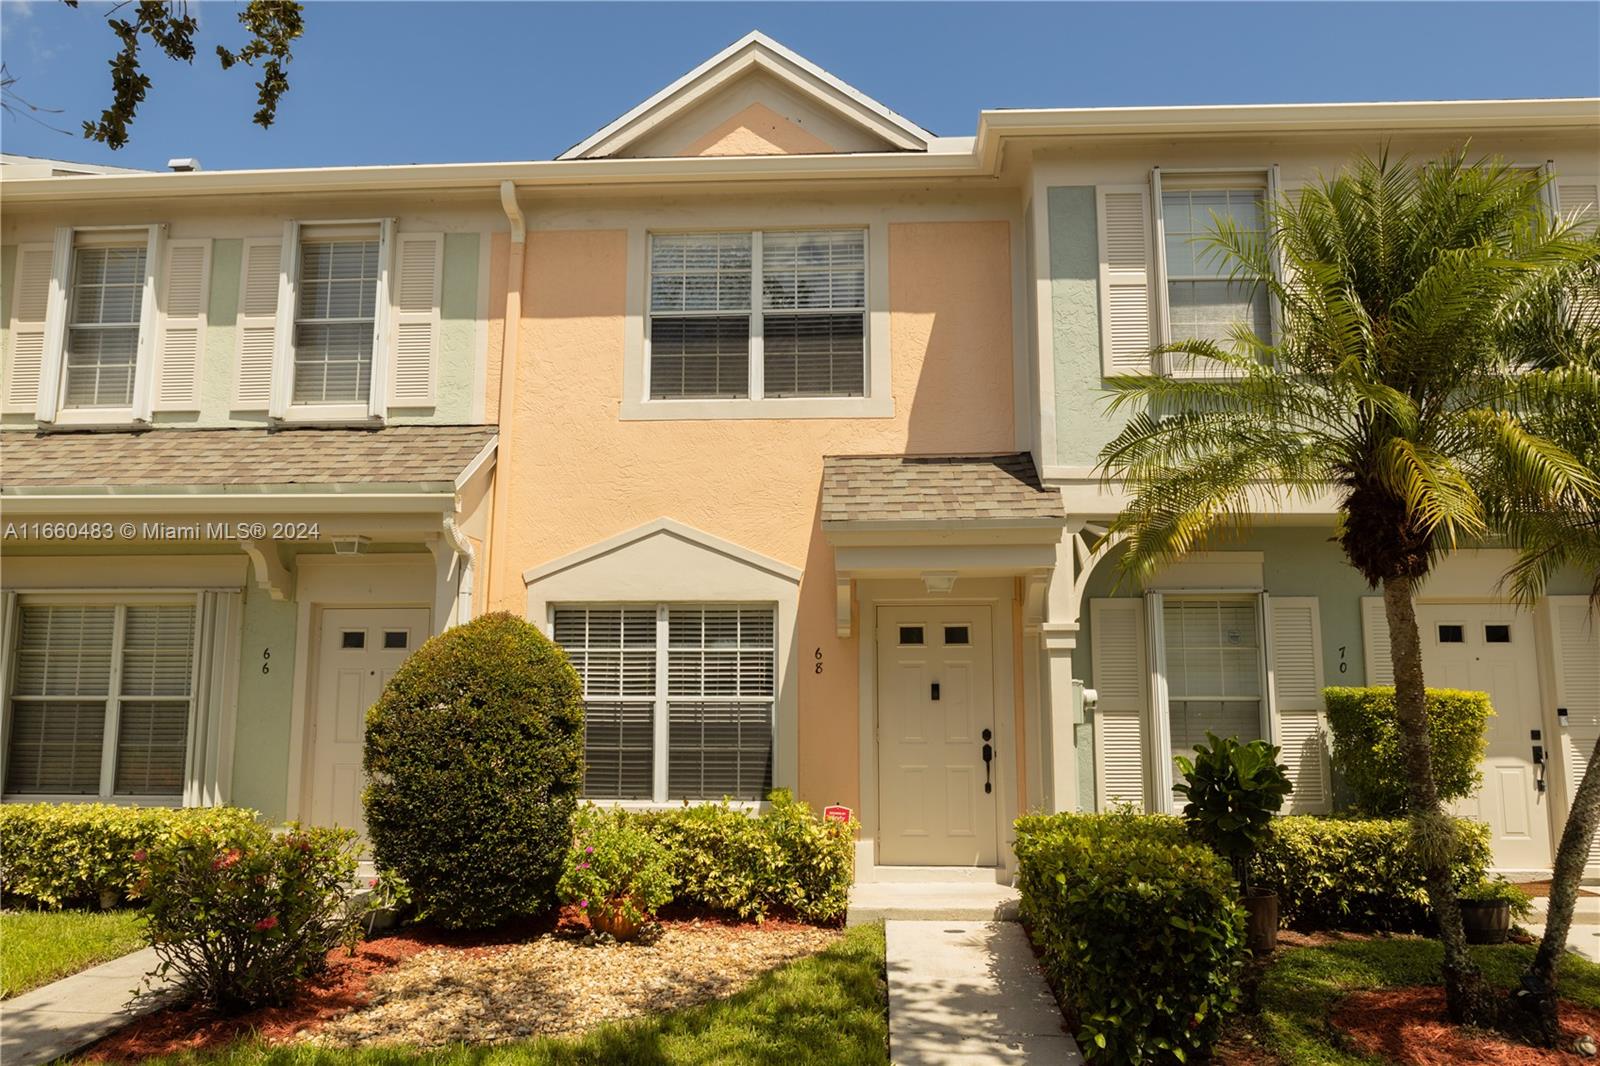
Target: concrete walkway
970,994
75,1011
1583,936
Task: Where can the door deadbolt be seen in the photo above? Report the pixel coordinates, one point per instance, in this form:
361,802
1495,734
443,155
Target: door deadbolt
936,690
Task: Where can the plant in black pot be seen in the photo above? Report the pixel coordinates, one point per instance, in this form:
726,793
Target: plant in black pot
1487,908
1233,791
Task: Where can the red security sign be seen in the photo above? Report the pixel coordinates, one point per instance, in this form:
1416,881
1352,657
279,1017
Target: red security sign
836,814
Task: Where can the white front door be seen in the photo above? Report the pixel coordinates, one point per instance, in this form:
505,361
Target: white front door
936,791
1485,647
357,653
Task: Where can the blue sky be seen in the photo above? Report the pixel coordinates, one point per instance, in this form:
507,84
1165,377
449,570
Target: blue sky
386,82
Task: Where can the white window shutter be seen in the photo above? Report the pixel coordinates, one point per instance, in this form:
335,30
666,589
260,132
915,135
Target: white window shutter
1579,198
256,324
288,282
1375,641
1122,680
1575,642
185,289
155,250
1125,258
382,324
1294,650
55,327
30,301
419,259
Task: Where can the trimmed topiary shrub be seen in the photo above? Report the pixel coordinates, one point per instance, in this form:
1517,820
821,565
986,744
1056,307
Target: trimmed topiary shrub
1366,744
727,860
474,757
59,854
1358,873
240,916
1139,929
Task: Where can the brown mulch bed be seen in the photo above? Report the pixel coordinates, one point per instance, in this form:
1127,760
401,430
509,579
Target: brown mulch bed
1409,1026
1541,889
430,987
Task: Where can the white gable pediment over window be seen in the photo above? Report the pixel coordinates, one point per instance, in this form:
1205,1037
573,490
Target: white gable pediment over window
755,97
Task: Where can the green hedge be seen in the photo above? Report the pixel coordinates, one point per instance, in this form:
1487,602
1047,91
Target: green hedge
1366,744
729,861
1357,873
56,854
1139,928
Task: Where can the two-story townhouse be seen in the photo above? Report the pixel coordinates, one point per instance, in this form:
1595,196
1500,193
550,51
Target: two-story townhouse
1240,640
797,410
246,468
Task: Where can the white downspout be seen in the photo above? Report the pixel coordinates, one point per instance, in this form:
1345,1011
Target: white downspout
498,552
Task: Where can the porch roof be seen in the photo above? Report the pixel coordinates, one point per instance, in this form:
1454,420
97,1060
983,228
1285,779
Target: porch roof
861,492
227,461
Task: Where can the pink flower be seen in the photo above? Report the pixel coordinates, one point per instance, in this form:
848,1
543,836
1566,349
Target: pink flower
228,858
588,851
141,855
372,883
269,922
584,904
583,866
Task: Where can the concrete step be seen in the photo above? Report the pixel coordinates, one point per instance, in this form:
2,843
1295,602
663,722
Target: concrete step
952,901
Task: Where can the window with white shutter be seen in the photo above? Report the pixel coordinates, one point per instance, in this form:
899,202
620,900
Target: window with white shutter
101,700
753,315
1575,647
1213,666
1125,334
1294,638
1122,679
420,266
678,699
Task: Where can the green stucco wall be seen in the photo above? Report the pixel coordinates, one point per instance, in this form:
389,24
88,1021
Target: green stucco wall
458,311
1083,425
261,732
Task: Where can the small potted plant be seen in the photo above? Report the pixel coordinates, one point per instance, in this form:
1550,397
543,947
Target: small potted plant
616,871
1233,791
1487,908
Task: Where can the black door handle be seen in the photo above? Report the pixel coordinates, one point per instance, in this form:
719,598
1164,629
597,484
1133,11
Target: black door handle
1538,767
988,758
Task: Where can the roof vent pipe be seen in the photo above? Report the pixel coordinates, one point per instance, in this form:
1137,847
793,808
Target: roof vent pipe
186,165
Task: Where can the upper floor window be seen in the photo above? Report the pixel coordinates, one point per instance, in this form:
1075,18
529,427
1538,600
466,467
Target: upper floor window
335,322
754,315
1203,303
102,342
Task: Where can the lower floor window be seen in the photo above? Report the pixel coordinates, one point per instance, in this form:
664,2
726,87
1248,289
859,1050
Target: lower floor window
1213,670
678,699
101,698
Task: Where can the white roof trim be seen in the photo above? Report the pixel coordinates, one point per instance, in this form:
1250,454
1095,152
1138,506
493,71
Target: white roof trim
754,49
671,528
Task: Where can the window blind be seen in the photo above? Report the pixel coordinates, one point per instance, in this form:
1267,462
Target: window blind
1203,303
613,649
814,292
338,297
700,315
1213,670
155,692
103,325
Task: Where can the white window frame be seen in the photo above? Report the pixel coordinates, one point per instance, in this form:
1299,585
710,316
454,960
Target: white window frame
876,401
52,408
112,698
1194,178
661,720
280,407
1163,770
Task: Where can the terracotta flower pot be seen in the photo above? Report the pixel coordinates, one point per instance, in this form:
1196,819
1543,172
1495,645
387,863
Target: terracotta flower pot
615,921
1261,921
1486,923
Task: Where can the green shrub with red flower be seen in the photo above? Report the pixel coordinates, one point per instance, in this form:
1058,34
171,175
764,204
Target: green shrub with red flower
616,871
241,915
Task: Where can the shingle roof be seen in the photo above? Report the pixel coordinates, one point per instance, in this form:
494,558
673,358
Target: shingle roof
1001,489
223,458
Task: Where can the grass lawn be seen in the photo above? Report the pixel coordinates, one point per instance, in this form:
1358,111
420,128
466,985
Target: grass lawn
36,947
1298,993
829,1010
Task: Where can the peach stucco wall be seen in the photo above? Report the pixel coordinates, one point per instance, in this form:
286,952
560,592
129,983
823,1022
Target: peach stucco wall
579,474
758,130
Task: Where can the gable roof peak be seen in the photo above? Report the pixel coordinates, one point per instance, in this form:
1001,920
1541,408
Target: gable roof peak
755,51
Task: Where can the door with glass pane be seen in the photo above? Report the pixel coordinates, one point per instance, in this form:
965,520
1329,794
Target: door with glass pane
1213,671
937,788
357,653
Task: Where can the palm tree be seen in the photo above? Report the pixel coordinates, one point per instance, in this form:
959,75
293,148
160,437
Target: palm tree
1390,386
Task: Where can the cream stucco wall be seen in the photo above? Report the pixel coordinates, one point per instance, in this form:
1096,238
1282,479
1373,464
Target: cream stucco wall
581,475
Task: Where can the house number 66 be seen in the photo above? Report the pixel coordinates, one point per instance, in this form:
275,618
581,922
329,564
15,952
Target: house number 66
266,655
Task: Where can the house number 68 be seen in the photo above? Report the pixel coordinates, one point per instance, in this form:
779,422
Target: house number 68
818,656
